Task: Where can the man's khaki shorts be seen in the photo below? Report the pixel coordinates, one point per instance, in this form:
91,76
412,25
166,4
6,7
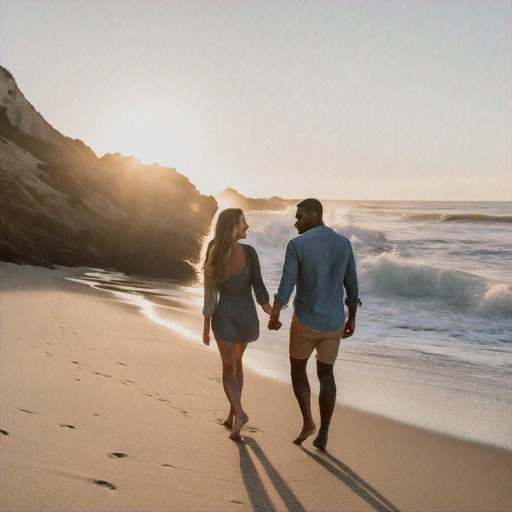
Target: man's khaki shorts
303,341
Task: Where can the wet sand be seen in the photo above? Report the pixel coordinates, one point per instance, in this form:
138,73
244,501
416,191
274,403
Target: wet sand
102,409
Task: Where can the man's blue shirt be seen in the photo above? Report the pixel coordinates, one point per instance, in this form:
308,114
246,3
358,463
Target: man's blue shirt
320,262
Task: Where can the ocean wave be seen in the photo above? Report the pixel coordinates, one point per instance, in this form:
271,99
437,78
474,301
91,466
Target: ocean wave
275,234
392,274
458,217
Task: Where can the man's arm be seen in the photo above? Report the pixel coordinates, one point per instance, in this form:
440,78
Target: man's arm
286,286
350,323
352,301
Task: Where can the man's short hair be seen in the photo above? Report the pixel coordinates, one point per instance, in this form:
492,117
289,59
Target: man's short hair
312,205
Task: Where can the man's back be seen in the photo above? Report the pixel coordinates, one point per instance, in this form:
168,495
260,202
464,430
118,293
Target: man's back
321,264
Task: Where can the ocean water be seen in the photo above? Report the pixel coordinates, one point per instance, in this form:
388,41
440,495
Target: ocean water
433,340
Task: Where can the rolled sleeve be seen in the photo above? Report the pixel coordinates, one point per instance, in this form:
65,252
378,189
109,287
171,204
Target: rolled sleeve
256,280
289,276
350,283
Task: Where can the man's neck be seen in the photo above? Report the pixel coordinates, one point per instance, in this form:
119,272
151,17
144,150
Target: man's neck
317,225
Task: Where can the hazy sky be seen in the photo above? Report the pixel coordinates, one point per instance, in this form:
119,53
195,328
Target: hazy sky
334,99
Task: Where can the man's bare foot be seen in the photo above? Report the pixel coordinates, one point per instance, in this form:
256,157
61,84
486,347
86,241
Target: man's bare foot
307,430
320,441
237,426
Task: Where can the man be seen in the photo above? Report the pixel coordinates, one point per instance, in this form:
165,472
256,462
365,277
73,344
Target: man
320,262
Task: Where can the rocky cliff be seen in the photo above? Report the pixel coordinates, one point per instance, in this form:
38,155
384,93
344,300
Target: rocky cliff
230,197
60,204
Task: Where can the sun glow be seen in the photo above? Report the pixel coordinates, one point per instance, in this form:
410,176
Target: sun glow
158,132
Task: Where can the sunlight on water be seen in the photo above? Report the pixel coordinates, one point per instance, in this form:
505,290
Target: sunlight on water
146,308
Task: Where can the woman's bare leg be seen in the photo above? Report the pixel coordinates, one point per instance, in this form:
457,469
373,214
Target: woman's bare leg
231,387
239,349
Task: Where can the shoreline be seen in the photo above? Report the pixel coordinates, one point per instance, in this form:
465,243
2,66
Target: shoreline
388,383
93,394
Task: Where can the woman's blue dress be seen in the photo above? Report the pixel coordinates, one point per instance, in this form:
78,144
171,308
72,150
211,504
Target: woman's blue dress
234,315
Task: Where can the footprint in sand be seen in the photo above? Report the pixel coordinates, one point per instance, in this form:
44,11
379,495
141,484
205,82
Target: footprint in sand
216,379
106,375
104,483
28,412
4,432
117,455
121,455
66,426
122,364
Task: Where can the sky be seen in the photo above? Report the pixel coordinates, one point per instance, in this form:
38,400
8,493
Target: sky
336,99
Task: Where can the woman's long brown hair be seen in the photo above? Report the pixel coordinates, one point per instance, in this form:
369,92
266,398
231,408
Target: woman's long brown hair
218,254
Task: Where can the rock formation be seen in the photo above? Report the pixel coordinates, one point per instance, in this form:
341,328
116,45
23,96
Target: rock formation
232,198
62,205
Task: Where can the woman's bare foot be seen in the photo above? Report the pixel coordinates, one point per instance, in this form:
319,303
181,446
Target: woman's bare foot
228,423
320,441
307,430
240,421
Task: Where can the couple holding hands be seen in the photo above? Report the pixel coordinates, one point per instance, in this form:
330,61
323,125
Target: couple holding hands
320,263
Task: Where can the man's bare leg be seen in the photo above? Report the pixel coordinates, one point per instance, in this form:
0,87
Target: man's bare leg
303,394
326,400
239,350
231,387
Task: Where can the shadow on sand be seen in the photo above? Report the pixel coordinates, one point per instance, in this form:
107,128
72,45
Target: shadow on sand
259,497
352,480
261,500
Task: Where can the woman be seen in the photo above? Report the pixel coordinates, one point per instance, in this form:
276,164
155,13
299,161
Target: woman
230,271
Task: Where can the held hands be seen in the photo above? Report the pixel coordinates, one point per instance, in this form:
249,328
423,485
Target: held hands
274,325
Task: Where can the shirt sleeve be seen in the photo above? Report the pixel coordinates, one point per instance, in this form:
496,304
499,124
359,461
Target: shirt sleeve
210,297
350,283
289,275
256,280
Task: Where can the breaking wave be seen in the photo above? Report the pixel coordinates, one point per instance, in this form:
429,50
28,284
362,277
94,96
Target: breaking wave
391,274
458,217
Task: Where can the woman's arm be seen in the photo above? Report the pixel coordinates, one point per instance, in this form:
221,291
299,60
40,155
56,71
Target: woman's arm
266,307
257,281
210,301
206,330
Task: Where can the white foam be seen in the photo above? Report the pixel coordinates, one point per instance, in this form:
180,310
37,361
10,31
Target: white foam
393,274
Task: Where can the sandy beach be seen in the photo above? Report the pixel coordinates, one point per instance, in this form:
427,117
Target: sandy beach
102,409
